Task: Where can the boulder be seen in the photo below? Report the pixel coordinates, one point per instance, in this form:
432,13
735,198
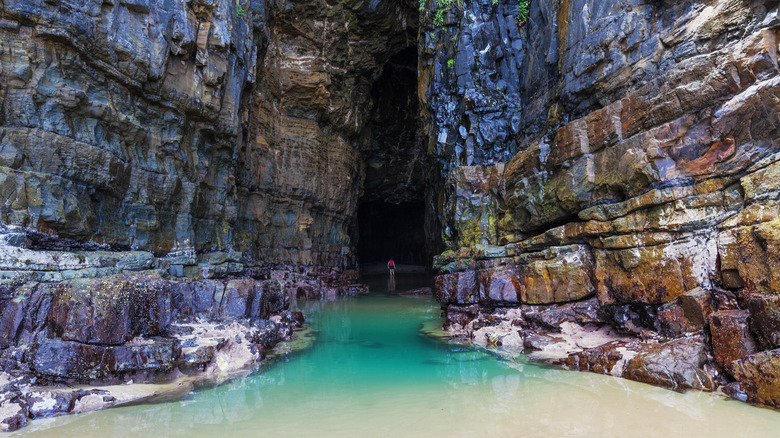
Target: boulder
758,375
461,315
499,286
110,310
551,317
765,319
677,364
671,322
697,305
605,359
731,337
457,288
50,403
688,314
13,415
557,275
74,360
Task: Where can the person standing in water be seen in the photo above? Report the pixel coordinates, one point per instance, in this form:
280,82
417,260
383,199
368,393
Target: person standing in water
391,267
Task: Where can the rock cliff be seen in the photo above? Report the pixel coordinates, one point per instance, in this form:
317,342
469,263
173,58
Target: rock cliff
166,163
622,150
589,166
193,126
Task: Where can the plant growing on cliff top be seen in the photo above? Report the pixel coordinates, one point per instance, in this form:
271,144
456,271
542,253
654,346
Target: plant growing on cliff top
523,10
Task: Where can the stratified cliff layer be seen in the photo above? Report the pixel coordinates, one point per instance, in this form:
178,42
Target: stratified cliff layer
193,126
120,119
604,167
644,173
166,163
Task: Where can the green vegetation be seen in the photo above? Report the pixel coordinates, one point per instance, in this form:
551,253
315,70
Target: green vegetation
240,12
523,10
451,63
438,17
441,7
422,4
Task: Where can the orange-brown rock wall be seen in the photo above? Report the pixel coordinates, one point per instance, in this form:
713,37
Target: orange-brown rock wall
644,172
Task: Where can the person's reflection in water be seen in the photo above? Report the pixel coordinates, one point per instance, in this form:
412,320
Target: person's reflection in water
391,283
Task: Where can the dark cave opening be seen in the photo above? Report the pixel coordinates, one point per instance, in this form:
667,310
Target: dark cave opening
392,211
392,230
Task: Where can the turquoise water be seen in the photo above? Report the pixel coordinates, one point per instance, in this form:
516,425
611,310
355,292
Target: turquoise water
371,373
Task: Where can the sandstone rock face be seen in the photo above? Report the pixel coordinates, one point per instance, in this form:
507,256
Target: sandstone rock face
110,327
731,338
647,163
677,365
618,151
200,125
758,375
765,319
120,121
638,163
300,171
108,311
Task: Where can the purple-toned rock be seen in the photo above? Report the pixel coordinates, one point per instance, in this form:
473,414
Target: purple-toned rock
535,340
50,403
12,312
499,286
13,414
457,288
238,297
734,390
551,317
460,315
110,310
74,360
601,360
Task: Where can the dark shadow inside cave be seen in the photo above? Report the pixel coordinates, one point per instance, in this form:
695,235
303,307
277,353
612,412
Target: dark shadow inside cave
392,211
392,230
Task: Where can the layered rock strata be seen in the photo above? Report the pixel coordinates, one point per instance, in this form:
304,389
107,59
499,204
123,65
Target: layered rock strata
193,126
128,328
164,164
132,328
644,176
101,317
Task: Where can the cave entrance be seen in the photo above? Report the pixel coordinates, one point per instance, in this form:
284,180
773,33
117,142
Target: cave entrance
392,230
392,211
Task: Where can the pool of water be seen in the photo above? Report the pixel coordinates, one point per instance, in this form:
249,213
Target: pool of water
372,373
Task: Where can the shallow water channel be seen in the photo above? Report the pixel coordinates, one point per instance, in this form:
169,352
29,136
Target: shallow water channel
372,373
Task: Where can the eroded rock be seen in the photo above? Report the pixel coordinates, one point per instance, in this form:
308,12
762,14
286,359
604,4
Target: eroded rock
731,337
677,364
758,375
